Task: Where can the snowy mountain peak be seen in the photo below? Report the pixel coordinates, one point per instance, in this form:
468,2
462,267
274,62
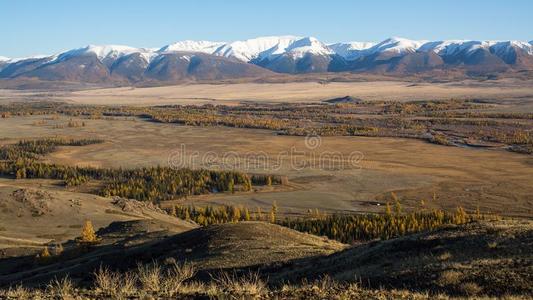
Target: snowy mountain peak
501,47
272,46
308,45
106,51
250,49
397,45
192,46
3,58
351,46
350,50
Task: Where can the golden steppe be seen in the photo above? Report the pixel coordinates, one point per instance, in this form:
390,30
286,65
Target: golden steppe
445,177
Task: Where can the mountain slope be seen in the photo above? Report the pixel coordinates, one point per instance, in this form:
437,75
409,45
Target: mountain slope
122,64
199,66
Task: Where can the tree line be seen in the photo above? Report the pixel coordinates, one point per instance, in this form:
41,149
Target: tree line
363,227
210,214
346,228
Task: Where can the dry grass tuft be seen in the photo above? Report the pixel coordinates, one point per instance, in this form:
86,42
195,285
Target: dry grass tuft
492,245
470,288
61,288
172,282
106,281
18,292
118,285
323,285
128,284
449,277
150,276
250,285
445,256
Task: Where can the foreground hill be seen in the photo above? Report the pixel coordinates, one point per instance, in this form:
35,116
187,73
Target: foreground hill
124,244
477,259
203,60
492,258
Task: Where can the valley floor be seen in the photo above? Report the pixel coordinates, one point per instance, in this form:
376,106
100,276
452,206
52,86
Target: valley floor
143,250
496,181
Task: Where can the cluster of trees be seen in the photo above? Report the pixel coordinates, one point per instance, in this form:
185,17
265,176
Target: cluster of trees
418,107
363,227
223,214
346,228
210,118
161,183
338,130
48,145
262,179
32,149
479,115
21,160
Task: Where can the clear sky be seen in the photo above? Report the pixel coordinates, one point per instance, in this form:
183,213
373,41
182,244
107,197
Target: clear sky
46,27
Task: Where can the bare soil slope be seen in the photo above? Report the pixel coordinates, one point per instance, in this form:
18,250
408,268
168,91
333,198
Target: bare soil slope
33,217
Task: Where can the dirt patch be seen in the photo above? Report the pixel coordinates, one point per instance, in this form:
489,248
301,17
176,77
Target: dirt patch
35,201
134,206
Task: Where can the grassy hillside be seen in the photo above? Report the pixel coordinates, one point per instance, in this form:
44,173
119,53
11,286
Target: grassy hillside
124,244
254,259
478,258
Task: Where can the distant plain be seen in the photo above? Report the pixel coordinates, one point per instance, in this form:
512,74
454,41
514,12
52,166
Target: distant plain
519,91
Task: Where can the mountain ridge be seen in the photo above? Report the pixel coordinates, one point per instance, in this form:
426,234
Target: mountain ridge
281,54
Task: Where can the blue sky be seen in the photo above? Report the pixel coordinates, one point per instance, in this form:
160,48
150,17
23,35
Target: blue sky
46,27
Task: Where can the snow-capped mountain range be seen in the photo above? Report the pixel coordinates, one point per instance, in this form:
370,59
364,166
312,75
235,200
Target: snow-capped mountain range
259,56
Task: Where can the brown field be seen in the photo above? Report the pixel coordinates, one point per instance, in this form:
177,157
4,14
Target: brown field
445,177
504,89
